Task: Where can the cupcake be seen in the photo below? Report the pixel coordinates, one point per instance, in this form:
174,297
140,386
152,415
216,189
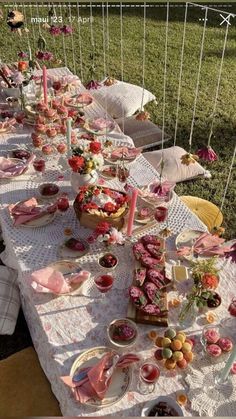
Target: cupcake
211,335
225,344
213,350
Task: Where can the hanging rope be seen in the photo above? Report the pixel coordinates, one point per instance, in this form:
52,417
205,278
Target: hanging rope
121,43
92,37
164,82
218,84
198,80
80,43
27,34
226,186
144,52
108,43
180,72
63,42
31,15
72,40
104,40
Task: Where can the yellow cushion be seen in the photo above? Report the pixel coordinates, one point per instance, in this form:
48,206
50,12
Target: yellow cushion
25,390
208,213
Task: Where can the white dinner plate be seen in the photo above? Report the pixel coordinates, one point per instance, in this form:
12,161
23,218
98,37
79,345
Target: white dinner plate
120,382
67,267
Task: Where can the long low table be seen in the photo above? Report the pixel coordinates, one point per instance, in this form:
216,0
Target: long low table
63,327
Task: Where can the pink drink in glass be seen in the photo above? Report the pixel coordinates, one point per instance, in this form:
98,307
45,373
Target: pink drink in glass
161,214
149,373
63,204
39,165
104,283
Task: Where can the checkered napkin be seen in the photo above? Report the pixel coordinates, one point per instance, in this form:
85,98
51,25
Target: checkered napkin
9,300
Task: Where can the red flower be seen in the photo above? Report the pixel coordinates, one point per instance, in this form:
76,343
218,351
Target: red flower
210,281
95,147
102,228
80,197
90,206
96,192
76,163
109,207
107,191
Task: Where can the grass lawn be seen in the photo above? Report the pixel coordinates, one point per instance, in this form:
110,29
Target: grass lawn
223,140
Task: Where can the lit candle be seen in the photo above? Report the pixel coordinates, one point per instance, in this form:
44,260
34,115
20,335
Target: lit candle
68,136
45,87
223,375
132,212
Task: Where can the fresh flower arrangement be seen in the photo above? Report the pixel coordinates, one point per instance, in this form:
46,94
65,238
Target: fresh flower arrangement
206,280
12,77
106,233
98,199
86,159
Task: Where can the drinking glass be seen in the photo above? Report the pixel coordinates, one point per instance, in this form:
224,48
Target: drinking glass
104,284
39,166
148,376
63,205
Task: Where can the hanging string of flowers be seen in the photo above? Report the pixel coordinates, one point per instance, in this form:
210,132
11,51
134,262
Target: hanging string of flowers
207,153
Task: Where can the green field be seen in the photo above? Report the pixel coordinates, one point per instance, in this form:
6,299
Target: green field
223,140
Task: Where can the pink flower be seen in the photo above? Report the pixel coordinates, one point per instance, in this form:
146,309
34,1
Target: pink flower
232,253
207,154
116,237
22,54
48,56
67,30
54,30
93,84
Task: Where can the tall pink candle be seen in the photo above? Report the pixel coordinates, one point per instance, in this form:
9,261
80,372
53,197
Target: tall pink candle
132,212
45,87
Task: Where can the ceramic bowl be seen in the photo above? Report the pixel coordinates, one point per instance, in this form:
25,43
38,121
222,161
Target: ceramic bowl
167,399
108,268
122,344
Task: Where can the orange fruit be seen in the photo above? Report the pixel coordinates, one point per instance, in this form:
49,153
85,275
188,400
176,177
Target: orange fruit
152,335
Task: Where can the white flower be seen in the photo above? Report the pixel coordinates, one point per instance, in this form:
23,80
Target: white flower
116,236
100,238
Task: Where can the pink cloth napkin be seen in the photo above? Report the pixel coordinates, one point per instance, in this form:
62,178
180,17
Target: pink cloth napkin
93,382
161,188
101,123
126,152
207,245
48,280
8,168
29,210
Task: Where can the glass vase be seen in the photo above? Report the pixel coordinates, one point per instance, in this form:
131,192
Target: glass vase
188,314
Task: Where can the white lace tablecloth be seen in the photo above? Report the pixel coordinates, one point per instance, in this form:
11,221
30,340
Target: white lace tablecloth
64,327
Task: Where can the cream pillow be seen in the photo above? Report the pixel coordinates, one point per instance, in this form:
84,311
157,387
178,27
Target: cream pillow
174,170
122,99
143,133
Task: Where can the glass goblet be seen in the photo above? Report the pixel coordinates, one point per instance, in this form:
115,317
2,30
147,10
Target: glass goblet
39,166
148,376
63,205
104,284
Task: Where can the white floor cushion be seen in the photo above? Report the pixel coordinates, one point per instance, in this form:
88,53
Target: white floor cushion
143,133
122,99
174,170
9,300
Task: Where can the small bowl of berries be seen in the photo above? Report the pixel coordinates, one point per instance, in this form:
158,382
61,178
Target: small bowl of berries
49,190
122,333
108,261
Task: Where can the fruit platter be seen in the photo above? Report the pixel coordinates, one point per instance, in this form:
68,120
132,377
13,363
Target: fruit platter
148,293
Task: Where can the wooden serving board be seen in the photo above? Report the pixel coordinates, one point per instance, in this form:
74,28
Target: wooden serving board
139,317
